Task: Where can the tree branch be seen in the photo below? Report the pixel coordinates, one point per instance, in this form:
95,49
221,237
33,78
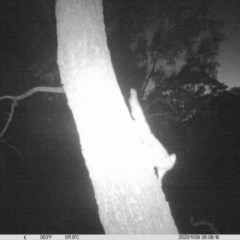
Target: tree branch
32,91
13,105
205,223
144,86
27,94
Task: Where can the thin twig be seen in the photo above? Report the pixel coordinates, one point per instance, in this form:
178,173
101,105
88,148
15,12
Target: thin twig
27,94
205,223
158,100
14,148
162,114
150,74
13,105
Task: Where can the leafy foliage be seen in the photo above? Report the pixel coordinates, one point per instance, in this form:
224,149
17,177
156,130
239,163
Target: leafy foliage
168,49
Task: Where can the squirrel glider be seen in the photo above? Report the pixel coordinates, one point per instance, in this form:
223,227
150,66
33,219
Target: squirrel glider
160,159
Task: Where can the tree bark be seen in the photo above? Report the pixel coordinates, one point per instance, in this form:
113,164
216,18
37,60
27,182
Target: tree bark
129,197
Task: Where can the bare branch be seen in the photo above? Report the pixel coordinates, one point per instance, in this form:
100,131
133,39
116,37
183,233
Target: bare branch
158,100
13,105
27,94
150,73
32,91
205,223
14,148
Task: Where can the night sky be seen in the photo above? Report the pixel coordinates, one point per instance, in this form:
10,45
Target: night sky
229,56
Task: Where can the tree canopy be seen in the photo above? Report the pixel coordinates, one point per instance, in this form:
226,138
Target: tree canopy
166,49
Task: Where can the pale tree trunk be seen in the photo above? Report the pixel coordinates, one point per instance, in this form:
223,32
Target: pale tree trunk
128,194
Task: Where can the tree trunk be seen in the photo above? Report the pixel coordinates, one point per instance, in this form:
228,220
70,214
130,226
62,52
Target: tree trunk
128,194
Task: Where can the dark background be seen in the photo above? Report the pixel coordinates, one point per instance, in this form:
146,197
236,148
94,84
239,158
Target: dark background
45,187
